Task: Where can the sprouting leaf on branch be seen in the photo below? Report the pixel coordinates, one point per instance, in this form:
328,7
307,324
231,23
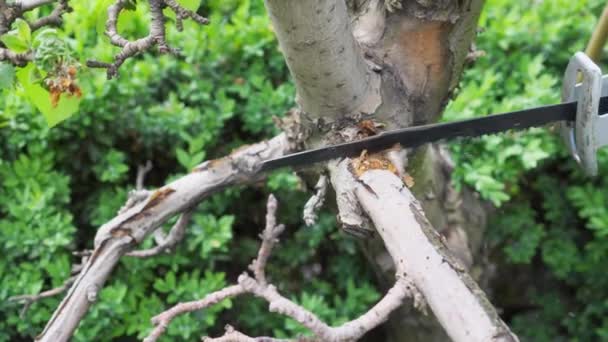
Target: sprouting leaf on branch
20,39
54,112
23,30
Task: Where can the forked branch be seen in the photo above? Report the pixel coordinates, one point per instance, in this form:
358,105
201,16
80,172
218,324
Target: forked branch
259,287
156,37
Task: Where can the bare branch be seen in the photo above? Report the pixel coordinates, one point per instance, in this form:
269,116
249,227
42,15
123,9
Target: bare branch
269,239
162,320
351,217
183,13
232,335
259,287
28,300
17,59
418,251
53,19
156,37
142,170
28,5
316,201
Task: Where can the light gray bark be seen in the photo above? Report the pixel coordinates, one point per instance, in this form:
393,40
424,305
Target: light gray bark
455,299
418,50
119,236
328,69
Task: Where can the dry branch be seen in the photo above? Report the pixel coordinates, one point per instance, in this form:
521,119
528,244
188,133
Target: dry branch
28,300
165,244
156,37
259,287
316,201
120,235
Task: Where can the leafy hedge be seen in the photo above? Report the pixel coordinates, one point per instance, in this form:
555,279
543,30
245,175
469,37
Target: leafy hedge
550,235
58,185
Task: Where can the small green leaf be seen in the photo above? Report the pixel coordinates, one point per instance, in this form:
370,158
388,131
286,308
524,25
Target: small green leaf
197,158
7,75
24,31
13,42
182,157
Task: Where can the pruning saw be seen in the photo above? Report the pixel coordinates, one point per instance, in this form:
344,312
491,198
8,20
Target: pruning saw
582,117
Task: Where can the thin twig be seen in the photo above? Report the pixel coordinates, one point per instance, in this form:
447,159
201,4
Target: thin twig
259,287
156,37
142,171
316,201
28,300
269,239
176,234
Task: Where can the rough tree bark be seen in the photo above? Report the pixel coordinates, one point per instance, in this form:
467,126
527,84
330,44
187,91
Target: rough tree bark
360,66
414,53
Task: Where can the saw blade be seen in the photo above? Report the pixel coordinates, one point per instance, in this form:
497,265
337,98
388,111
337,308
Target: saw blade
418,135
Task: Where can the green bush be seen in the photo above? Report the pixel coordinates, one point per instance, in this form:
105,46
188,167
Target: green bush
59,185
550,233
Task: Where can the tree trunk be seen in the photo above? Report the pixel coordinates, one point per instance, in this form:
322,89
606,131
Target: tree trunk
390,63
414,52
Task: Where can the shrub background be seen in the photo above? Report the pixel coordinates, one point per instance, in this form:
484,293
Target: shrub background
57,186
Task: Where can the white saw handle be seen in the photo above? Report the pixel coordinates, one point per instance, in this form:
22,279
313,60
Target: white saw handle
585,136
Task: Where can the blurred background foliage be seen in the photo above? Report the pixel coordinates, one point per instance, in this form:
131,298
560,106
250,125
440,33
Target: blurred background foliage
549,235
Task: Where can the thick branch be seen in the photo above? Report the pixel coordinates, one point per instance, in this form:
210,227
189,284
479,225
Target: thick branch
331,77
121,234
460,306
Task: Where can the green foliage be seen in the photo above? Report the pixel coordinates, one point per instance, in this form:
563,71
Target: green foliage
550,232
527,47
20,39
59,185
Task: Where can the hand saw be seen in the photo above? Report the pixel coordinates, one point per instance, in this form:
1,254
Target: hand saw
583,126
